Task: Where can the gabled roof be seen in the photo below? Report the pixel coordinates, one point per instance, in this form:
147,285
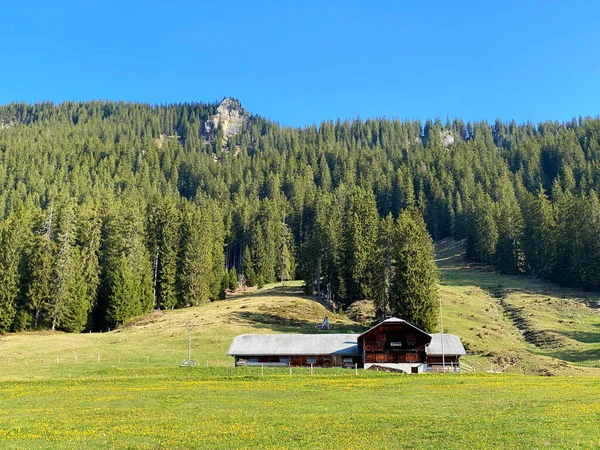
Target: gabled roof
392,320
452,345
294,344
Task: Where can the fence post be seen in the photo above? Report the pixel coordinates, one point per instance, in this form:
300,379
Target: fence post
311,369
262,370
356,369
98,358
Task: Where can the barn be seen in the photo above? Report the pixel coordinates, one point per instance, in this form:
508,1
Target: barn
393,344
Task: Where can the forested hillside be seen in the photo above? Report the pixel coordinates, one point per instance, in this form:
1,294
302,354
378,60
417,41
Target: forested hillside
110,210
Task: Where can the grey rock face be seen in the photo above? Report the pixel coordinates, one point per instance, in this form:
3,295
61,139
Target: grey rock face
231,116
447,138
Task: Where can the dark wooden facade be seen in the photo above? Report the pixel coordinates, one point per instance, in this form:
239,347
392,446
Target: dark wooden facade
301,361
394,343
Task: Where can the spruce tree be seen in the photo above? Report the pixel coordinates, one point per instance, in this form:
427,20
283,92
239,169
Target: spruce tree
414,290
120,306
360,245
41,271
197,262
509,247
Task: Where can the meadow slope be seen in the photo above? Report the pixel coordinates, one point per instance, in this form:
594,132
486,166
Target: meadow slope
507,323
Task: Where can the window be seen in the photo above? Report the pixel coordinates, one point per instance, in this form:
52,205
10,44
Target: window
284,360
253,360
311,360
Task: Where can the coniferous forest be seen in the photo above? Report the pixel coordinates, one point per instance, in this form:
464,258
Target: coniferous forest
110,210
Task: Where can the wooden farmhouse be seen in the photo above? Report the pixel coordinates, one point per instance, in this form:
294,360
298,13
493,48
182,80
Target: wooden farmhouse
392,344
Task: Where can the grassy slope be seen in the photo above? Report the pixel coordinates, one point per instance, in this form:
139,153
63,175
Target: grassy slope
160,339
514,322
517,321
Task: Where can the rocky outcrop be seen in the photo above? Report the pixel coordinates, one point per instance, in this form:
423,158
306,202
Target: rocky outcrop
5,123
447,138
230,117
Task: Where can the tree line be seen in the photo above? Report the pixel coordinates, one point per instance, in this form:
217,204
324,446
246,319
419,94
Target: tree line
110,210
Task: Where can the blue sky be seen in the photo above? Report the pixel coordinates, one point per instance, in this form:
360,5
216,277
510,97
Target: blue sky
312,61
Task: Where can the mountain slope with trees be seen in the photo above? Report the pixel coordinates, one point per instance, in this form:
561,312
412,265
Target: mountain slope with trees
109,210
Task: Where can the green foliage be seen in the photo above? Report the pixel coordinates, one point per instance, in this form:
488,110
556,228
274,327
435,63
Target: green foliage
414,284
232,279
197,277
360,245
274,202
122,300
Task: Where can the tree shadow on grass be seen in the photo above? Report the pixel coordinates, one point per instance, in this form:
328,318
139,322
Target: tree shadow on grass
277,291
456,270
589,357
289,325
585,337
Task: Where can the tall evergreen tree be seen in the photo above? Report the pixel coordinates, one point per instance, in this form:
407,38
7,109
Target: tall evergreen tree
414,290
360,245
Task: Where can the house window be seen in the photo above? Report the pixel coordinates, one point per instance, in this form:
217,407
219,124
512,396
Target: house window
311,360
284,360
347,360
253,360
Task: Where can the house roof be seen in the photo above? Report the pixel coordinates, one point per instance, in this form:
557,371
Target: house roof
392,320
452,345
294,344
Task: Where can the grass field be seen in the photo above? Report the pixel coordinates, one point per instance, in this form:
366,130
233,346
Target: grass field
205,408
125,389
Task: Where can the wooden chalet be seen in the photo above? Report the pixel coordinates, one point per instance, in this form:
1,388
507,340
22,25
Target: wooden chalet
393,344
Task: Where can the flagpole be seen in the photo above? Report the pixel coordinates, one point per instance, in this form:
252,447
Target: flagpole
442,337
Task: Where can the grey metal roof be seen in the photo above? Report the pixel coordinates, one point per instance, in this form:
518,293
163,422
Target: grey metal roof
452,345
294,344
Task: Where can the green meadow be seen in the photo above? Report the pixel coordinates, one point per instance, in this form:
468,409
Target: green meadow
126,389
208,408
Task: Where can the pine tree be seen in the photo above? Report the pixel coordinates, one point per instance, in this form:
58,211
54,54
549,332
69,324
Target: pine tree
41,271
88,243
509,247
539,235
383,272
75,311
360,245
64,268
285,260
120,307
414,291
248,268
197,262
11,235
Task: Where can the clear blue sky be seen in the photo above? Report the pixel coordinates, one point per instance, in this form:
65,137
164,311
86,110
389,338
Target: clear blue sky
318,60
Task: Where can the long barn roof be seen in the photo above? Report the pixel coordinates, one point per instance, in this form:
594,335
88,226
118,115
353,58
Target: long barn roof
294,344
